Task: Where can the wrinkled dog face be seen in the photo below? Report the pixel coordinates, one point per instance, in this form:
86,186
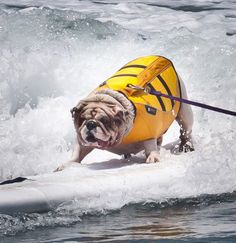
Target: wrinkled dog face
100,124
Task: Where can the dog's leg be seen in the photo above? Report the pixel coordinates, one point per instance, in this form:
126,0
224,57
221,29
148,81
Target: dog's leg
185,121
78,155
152,150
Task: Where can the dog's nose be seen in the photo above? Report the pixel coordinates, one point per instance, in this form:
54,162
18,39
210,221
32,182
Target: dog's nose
91,125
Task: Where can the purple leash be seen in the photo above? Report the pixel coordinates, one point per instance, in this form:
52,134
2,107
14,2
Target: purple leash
209,107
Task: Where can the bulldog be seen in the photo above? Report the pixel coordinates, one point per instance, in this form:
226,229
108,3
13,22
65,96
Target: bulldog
122,117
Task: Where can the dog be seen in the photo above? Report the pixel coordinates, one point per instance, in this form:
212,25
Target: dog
120,115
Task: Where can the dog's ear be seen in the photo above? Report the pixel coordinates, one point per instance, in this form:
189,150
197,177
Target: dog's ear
75,111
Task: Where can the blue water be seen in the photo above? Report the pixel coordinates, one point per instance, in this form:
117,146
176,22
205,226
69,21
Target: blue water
52,53
202,219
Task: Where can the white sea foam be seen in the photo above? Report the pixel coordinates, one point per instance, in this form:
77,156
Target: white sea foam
51,58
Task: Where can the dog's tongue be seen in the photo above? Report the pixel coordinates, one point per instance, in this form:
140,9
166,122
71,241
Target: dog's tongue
102,143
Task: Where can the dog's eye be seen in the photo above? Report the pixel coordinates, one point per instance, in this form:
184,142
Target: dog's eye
105,121
118,122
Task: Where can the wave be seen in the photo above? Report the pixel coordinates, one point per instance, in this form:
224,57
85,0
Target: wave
50,58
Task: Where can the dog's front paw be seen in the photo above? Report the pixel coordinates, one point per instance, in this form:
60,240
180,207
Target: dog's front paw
60,168
153,157
64,165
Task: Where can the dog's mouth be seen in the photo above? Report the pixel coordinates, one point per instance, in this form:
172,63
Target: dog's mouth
103,144
100,143
97,136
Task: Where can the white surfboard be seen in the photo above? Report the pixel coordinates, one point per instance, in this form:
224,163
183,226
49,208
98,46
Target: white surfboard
110,184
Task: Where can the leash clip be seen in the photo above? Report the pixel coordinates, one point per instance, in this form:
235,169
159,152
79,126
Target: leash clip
139,88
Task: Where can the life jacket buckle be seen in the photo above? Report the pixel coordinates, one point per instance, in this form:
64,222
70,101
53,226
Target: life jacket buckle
139,88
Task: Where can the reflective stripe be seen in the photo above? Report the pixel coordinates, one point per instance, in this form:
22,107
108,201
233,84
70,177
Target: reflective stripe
133,66
124,75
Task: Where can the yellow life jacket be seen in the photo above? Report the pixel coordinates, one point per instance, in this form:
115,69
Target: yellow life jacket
154,114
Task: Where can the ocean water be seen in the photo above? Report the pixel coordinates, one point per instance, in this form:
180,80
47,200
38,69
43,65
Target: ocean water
52,53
